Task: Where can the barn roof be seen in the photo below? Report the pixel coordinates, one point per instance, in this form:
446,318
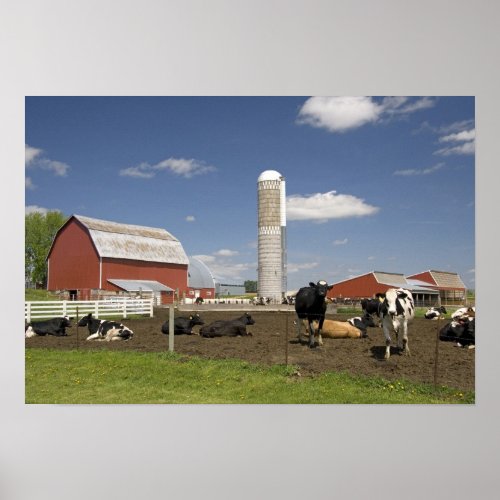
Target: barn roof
447,280
199,275
138,285
127,241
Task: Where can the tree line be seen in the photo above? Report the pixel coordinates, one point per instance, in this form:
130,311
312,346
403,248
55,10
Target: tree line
39,232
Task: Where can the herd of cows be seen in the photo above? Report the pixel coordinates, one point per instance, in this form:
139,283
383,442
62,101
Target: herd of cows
394,309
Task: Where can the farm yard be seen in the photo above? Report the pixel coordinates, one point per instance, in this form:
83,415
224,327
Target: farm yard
274,340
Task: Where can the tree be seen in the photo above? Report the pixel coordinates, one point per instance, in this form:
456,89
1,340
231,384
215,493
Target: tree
250,286
39,232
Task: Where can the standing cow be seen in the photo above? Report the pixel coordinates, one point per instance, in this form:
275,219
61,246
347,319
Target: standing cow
310,305
397,310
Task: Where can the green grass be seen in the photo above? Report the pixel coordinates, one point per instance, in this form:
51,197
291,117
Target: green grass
111,377
32,295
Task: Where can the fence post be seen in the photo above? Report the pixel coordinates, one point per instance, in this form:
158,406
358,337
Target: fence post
65,308
124,313
96,309
151,309
171,328
437,352
28,311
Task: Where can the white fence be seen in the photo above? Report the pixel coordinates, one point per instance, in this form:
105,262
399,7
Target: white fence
117,306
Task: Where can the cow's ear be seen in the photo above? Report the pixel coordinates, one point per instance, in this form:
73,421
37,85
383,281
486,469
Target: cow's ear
312,284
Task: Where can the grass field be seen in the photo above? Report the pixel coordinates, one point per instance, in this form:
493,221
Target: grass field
111,377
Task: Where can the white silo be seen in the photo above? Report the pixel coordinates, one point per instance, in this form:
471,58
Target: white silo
271,235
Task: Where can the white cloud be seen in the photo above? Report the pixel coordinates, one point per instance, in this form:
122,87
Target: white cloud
35,208
28,183
339,114
340,242
371,257
224,269
190,218
291,267
466,135
30,154
466,146
224,252
321,207
34,158
423,171
178,166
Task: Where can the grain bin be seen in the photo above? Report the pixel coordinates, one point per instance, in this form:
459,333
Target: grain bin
272,280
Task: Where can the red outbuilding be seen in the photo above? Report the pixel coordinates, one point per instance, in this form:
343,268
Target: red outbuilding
452,289
367,285
90,256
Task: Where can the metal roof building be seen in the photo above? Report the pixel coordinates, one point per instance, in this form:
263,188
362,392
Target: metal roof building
367,285
201,282
450,286
97,255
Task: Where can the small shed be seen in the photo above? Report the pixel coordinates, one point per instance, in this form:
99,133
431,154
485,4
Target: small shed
451,288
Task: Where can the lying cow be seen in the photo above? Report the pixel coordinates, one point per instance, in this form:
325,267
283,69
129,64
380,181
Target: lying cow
435,312
373,307
54,326
353,328
101,329
228,328
182,325
464,312
462,331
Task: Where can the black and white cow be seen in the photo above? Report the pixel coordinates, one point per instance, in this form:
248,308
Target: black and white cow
362,323
228,328
435,312
461,331
183,325
464,312
397,311
54,326
373,306
310,305
101,329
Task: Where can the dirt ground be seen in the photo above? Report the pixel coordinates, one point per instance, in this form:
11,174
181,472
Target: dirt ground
275,340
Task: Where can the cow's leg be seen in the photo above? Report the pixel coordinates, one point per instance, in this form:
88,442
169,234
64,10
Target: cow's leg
311,335
93,336
406,349
320,327
385,325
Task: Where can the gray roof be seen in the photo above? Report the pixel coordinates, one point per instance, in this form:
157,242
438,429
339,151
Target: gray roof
447,280
199,275
138,285
127,241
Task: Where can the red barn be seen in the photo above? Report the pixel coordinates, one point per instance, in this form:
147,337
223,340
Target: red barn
452,289
367,285
91,255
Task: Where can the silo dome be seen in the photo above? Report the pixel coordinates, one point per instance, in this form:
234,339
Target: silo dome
269,175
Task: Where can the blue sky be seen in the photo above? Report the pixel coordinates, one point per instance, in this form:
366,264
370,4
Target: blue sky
373,183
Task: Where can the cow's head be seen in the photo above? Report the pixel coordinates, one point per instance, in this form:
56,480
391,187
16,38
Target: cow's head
195,319
321,287
66,321
368,320
391,304
85,320
248,319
